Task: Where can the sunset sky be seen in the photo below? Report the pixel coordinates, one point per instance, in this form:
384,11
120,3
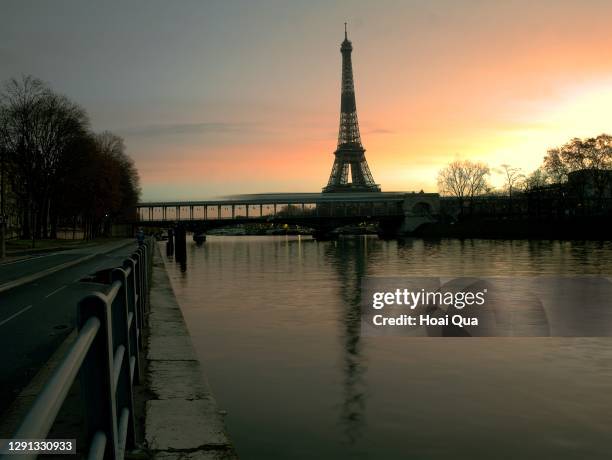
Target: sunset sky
224,97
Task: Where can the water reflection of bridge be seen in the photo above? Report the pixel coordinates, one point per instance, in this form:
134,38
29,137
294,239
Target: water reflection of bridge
320,211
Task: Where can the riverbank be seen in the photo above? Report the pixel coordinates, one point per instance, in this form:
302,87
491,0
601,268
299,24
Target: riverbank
502,227
182,417
575,228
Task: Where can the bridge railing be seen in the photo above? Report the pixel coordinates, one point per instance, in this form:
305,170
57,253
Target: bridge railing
106,356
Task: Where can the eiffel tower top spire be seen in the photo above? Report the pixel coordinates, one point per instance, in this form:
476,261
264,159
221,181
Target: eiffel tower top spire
350,172
349,125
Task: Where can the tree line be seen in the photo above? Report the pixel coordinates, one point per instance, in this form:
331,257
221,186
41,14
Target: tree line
55,170
465,180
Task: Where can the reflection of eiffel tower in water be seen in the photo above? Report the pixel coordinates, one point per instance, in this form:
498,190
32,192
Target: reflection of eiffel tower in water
350,154
350,256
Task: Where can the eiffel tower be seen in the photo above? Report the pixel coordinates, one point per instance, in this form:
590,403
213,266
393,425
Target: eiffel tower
350,154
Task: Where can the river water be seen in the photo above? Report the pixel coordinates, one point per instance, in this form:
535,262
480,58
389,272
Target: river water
275,322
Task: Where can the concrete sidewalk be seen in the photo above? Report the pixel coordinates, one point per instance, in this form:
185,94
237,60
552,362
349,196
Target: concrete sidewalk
182,419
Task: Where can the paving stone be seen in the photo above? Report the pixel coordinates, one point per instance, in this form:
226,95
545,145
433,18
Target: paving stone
170,348
177,379
166,314
183,425
159,328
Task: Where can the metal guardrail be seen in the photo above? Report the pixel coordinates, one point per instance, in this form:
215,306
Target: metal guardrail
106,356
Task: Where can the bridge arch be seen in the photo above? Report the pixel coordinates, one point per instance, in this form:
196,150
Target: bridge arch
419,208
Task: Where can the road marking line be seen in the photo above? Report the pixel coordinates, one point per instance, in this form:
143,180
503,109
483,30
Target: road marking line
49,271
16,314
27,259
55,292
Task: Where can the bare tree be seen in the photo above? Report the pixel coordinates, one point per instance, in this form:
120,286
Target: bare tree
477,174
108,180
37,127
64,124
463,180
20,105
59,169
128,181
536,180
512,178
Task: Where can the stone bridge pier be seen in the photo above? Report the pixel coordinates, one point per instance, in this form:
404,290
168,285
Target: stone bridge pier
419,208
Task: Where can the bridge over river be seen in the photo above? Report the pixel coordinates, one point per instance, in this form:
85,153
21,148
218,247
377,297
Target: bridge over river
394,212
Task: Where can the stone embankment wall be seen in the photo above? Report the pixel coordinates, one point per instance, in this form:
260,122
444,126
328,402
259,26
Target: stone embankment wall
182,417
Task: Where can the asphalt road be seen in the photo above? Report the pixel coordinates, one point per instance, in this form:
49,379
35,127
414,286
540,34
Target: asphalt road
36,317
14,270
